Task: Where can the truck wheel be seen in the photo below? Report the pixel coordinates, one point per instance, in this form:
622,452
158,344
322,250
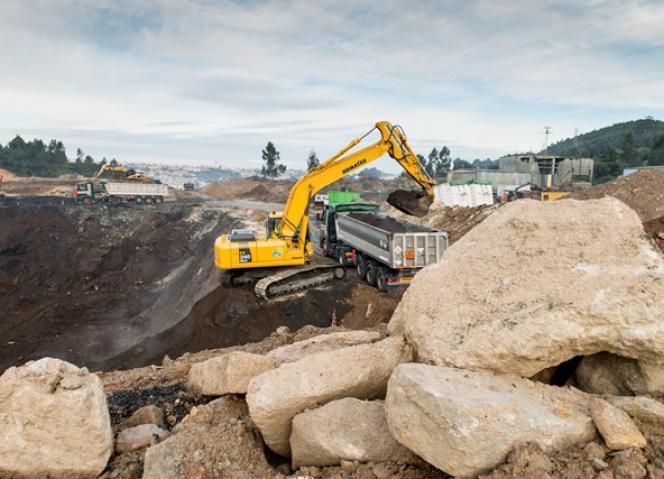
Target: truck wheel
370,277
381,279
87,201
339,273
139,199
360,267
148,200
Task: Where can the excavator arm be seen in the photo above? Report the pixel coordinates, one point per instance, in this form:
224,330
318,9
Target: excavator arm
392,141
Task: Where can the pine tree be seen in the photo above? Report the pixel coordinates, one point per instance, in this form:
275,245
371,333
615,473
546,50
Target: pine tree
272,168
630,154
312,160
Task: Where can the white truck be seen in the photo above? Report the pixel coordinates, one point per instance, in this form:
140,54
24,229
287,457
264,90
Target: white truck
91,192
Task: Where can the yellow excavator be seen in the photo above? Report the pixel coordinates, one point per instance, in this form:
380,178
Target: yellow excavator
245,258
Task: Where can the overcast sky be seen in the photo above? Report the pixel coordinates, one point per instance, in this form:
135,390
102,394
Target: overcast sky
211,81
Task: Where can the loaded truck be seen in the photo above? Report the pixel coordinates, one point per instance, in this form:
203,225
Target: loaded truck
91,192
386,252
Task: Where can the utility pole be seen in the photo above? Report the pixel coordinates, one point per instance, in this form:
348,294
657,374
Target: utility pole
547,132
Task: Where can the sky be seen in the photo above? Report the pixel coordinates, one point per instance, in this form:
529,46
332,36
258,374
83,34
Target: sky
212,81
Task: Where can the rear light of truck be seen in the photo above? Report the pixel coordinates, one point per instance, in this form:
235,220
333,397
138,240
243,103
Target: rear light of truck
410,254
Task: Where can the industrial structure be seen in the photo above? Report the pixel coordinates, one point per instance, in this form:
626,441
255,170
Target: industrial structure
544,171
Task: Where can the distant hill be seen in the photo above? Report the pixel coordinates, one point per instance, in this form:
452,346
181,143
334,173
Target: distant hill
645,132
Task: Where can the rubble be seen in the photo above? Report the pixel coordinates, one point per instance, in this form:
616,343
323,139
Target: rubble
276,396
504,298
227,374
325,342
345,430
139,437
615,426
53,422
214,440
466,422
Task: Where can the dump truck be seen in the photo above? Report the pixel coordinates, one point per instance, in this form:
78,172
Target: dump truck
386,252
92,191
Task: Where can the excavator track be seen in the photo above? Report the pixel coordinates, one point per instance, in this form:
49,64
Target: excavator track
296,279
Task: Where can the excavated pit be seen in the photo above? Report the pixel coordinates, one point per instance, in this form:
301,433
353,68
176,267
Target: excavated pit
121,286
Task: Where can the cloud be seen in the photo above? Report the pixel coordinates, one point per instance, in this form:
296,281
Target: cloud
222,78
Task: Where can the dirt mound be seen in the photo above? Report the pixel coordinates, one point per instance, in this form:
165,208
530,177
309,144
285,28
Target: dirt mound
255,188
655,229
642,191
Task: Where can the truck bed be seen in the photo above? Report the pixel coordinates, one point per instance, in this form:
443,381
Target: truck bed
388,223
395,243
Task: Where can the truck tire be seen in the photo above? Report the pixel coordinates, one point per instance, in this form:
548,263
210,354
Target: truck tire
139,200
148,200
361,266
381,279
370,276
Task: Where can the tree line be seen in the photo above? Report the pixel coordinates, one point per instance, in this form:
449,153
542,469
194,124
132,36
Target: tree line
36,158
437,164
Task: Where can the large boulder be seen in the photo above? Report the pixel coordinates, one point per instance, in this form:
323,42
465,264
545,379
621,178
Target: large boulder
536,284
345,430
215,440
360,371
465,422
227,374
54,422
318,344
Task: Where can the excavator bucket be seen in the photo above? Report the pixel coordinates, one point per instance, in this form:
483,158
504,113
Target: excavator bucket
414,203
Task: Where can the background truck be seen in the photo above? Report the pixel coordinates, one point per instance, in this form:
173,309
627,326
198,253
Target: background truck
91,191
385,251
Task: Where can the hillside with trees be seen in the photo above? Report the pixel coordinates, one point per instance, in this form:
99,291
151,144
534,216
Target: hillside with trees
615,147
36,158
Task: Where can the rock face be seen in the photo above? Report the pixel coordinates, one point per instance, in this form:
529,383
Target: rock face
54,422
640,407
606,373
347,429
511,298
466,422
227,374
215,440
615,426
139,437
325,342
360,371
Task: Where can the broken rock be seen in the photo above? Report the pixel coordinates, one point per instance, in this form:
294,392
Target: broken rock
227,374
54,422
360,371
615,426
324,342
606,373
139,437
149,414
466,422
505,298
345,430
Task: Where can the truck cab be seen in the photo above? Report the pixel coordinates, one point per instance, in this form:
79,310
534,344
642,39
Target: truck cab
329,242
